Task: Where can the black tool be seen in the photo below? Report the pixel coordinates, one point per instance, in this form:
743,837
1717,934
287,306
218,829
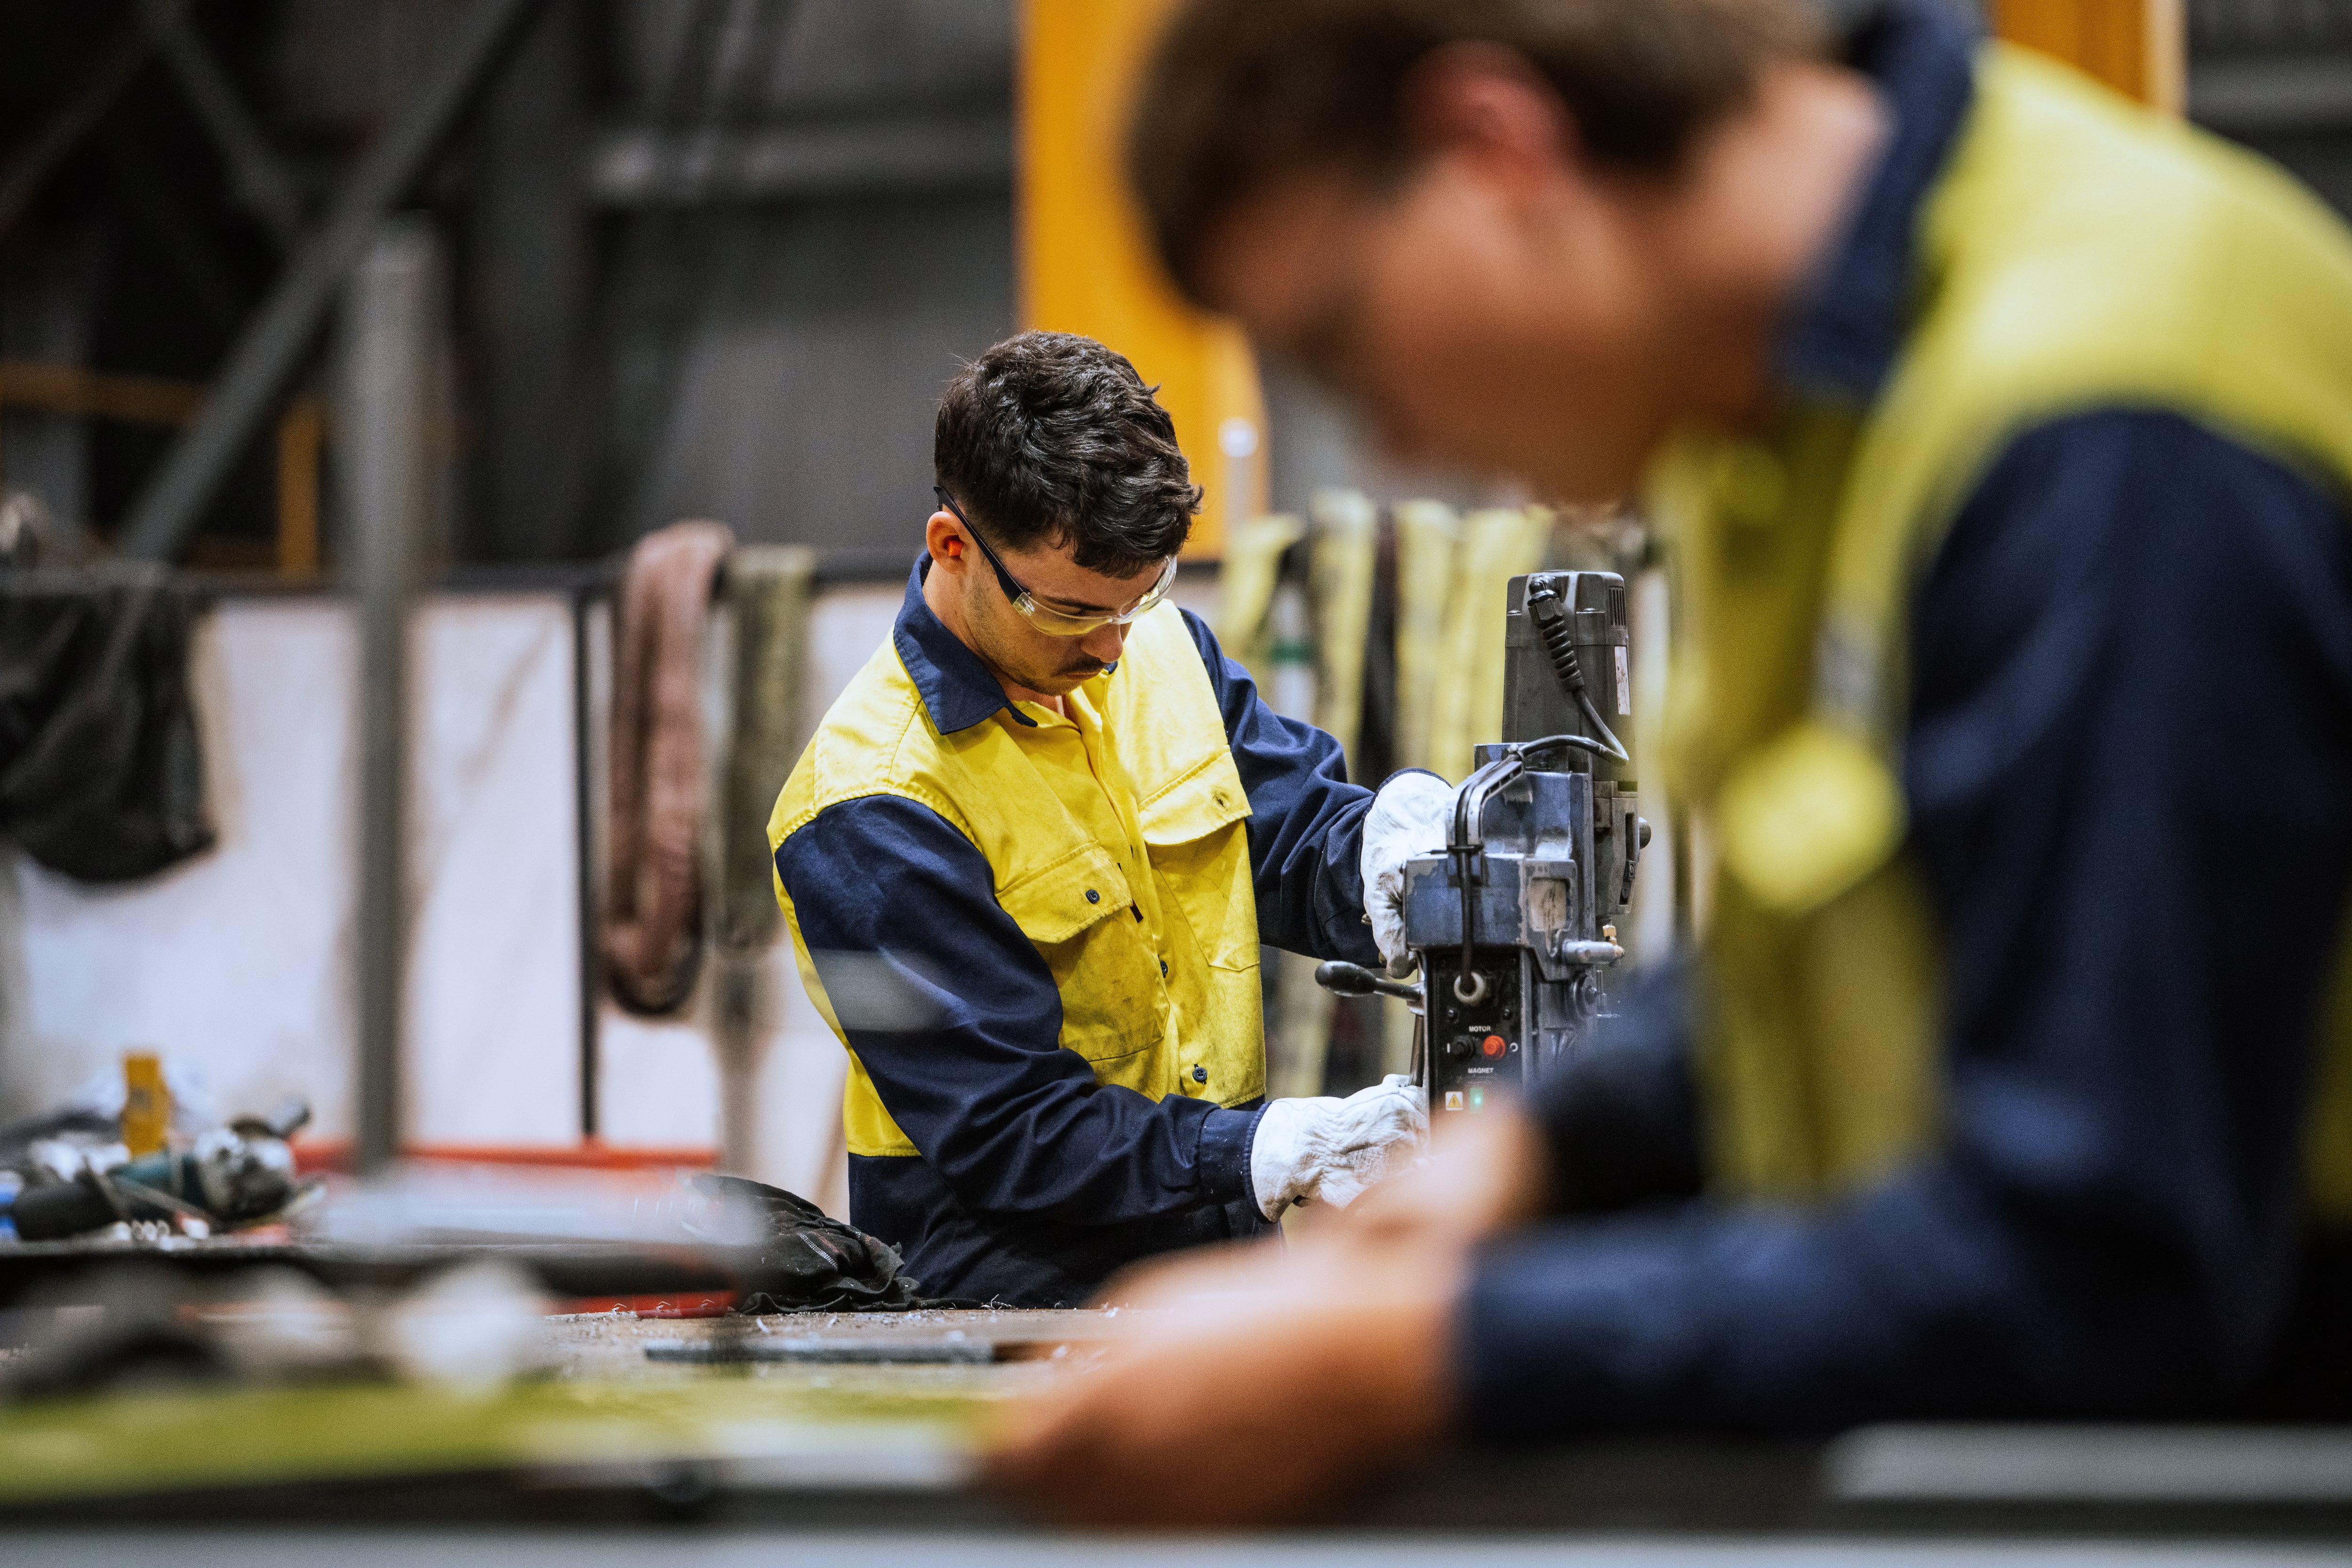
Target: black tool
1515,923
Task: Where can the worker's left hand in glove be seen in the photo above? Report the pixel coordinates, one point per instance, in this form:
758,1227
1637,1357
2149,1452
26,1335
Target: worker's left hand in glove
1410,818
1328,1150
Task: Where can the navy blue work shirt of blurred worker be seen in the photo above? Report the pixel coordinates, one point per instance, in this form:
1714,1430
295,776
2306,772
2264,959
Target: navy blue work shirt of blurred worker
1026,1179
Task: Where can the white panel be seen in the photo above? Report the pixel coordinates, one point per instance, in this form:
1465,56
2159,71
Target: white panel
658,1078
494,967
845,626
237,965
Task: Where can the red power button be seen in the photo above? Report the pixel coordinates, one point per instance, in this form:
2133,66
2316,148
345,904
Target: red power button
1494,1046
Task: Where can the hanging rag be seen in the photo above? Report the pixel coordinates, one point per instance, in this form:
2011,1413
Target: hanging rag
1497,545
768,594
102,768
770,591
652,940
1428,542
1343,558
1246,583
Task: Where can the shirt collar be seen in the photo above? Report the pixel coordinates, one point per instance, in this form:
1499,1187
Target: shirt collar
957,689
1849,320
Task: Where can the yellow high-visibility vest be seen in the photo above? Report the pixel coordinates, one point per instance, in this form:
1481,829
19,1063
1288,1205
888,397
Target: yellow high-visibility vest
2078,253
1146,920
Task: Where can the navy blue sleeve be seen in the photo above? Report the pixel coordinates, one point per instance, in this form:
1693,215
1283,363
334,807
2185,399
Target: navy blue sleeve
1306,821
1621,1110
2130,753
956,1018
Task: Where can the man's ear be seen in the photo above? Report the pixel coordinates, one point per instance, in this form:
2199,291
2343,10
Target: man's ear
944,541
1487,104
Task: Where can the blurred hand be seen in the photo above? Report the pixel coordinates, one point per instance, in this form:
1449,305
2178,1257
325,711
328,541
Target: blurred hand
1483,1173
1276,1376
1271,1383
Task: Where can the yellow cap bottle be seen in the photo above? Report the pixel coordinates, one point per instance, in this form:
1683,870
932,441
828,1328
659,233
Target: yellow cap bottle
146,1104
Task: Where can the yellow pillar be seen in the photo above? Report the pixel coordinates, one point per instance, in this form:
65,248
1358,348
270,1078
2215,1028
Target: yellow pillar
1086,266
2137,46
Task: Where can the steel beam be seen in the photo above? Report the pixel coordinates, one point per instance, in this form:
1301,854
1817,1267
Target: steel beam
262,185
274,344
2272,94
650,167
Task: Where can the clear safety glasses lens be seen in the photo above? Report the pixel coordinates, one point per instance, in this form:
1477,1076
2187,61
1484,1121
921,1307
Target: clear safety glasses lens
1063,624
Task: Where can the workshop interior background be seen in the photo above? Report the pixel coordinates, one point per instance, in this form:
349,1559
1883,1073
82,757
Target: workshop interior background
692,259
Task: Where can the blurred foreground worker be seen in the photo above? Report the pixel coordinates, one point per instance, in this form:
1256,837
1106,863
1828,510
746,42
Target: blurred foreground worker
1030,854
2004,433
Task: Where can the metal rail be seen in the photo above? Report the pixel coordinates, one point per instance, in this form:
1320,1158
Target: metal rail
395,309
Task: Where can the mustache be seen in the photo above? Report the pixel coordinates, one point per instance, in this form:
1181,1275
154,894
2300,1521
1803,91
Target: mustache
1084,668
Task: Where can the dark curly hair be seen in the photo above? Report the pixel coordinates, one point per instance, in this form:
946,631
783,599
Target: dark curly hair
1239,93
1052,438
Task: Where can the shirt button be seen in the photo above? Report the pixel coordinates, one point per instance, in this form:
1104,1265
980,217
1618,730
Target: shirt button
1093,896
1163,969
1199,1075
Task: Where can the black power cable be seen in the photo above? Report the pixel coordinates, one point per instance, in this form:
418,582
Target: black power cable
1550,617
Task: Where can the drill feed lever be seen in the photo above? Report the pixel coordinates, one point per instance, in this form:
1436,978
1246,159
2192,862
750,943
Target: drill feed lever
1342,979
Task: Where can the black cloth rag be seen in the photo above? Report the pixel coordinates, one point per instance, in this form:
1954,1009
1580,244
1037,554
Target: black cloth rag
811,1262
101,769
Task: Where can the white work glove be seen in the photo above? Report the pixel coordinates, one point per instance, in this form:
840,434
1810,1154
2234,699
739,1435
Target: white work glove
1410,818
1330,1150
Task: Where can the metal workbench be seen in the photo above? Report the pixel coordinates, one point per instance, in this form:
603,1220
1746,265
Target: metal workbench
842,1457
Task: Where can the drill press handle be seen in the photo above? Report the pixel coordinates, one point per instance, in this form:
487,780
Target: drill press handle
1354,979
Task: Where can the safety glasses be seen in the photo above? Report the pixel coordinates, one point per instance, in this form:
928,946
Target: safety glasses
1047,618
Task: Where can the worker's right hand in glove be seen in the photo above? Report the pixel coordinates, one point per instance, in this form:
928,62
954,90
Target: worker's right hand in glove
1409,818
1329,1149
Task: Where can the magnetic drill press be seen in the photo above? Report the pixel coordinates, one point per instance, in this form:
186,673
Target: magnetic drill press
1514,923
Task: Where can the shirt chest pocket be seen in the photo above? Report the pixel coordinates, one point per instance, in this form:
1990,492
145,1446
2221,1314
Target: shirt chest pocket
1075,910
1196,830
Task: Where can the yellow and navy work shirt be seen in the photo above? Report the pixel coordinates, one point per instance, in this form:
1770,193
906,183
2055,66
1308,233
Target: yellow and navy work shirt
2127,771
1007,1160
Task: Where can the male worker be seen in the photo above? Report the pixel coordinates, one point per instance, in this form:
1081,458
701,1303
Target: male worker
1029,855
2003,432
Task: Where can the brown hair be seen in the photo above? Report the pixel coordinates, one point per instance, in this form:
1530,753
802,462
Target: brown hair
1051,437
1238,91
